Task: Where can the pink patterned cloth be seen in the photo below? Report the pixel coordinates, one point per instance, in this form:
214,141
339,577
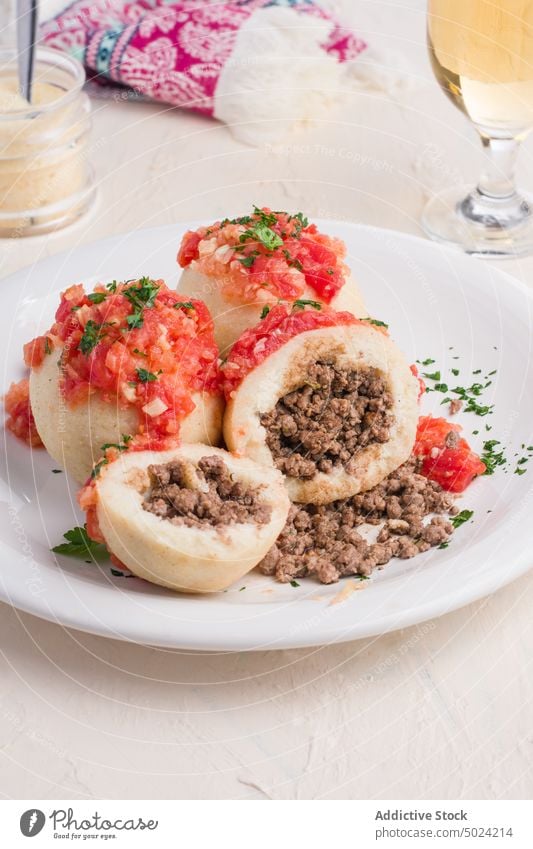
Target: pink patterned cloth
172,52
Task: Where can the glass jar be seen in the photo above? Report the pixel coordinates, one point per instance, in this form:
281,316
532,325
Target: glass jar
46,179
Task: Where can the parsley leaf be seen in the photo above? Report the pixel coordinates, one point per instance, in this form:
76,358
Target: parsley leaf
97,297
375,322
301,303
186,305
141,296
98,467
247,261
92,335
265,311
146,376
461,518
79,544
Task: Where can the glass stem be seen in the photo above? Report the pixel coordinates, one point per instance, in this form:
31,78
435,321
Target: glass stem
497,179
495,205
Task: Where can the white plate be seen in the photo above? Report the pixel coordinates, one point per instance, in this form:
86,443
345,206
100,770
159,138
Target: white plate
433,299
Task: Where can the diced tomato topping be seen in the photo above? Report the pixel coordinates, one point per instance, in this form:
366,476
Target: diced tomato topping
36,350
189,248
20,419
93,527
135,344
267,256
280,325
454,466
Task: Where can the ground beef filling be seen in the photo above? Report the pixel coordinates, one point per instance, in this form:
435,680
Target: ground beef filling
206,494
323,423
323,540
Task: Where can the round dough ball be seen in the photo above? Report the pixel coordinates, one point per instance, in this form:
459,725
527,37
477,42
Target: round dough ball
357,347
73,435
232,319
198,559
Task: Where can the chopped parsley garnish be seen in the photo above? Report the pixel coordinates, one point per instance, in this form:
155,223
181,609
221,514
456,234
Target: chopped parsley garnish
98,467
455,372
57,471
79,544
375,322
141,297
92,335
249,260
120,446
441,387
301,303
112,287
292,261
428,362
461,518
146,376
519,471
492,456
97,297
443,545
431,376
140,353
266,218
265,311
294,583
260,232
186,305
301,218
47,346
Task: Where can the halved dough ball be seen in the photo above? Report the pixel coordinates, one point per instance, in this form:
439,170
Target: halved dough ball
189,553
232,319
73,435
334,408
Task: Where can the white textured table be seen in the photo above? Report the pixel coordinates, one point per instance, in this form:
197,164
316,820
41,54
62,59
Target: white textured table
438,711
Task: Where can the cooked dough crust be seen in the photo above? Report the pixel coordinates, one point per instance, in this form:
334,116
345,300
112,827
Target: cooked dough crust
188,559
73,436
232,319
285,370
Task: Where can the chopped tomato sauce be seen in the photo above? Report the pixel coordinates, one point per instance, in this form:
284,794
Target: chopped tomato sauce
20,419
136,344
452,466
267,256
280,325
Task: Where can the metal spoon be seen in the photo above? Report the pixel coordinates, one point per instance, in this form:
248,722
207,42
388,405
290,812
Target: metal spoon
27,15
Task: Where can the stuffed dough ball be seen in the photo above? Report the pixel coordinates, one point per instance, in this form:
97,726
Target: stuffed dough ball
327,399
192,518
240,266
127,360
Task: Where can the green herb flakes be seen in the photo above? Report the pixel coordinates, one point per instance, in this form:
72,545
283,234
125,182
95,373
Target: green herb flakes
375,322
461,518
146,376
97,297
301,303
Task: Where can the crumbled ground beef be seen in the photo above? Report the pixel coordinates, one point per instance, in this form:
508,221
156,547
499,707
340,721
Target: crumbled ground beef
323,540
324,422
190,495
